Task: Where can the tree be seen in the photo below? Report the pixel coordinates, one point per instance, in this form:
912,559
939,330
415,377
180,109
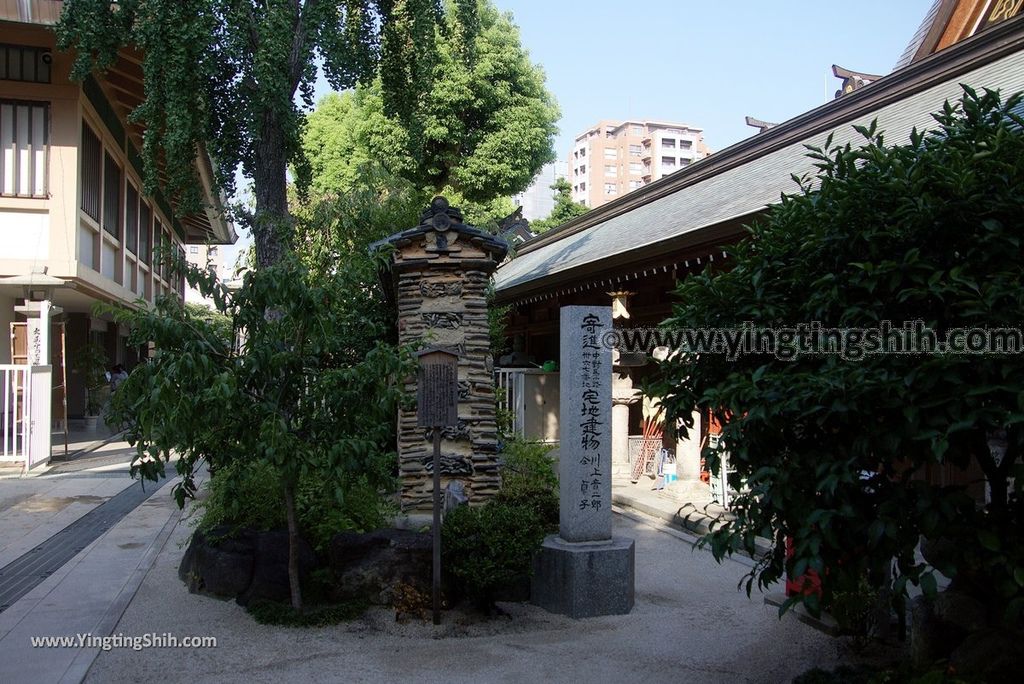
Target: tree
564,210
482,131
833,449
225,73
311,392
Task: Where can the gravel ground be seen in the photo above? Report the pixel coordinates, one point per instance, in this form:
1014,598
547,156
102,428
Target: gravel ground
690,624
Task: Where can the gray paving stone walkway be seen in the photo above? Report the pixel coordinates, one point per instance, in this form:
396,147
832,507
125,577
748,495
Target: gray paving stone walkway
87,594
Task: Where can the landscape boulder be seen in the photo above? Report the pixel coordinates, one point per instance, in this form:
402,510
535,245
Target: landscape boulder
940,625
370,565
244,565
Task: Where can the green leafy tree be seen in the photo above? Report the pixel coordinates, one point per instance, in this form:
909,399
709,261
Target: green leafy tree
564,210
224,74
309,392
481,131
833,451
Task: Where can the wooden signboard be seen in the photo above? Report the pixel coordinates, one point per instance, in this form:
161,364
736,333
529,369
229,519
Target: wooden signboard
437,390
437,406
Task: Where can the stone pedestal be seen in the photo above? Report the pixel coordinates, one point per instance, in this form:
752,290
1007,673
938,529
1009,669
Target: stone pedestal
583,571
585,580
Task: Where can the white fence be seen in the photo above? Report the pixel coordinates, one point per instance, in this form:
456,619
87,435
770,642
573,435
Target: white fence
17,418
25,421
528,397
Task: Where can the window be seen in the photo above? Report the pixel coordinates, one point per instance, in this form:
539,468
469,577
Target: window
668,161
610,170
165,255
636,168
610,189
23,137
583,169
668,143
636,130
611,153
160,233
635,150
583,187
179,279
583,152
193,249
25,63
212,251
91,172
131,219
145,232
685,144
111,196
634,184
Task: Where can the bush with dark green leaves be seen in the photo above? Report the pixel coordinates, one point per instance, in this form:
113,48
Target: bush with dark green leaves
489,548
835,451
246,496
528,479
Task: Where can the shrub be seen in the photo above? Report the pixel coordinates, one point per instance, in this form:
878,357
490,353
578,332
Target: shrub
489,548
247,496
528,479
527,464
834,449
243,496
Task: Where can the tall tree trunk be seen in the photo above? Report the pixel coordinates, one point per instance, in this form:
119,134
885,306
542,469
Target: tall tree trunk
272,226
293,547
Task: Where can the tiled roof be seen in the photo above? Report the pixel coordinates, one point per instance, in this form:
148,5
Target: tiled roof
922,32
737,191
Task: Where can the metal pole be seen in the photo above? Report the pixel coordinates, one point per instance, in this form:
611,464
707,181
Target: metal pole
437,527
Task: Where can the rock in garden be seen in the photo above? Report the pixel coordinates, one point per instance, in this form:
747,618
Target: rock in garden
939,625
370,565
214,564
270,567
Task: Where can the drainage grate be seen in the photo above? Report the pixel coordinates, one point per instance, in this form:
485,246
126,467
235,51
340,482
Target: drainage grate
23,574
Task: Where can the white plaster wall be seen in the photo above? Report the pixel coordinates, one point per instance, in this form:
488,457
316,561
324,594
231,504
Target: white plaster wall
24,234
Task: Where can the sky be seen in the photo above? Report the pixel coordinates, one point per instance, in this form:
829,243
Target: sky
708,64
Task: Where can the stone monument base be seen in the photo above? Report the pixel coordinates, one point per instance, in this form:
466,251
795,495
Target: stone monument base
586,579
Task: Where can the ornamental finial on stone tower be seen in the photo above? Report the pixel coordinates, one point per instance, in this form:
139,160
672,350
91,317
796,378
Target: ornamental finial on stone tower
440,214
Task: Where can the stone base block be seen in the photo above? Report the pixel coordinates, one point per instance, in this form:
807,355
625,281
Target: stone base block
584,580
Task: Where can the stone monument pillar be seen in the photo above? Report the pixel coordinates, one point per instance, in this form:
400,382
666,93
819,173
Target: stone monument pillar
439,275
583,571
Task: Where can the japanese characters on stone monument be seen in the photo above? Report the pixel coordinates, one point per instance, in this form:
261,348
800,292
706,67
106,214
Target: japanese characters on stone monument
438,281
586,425
584,571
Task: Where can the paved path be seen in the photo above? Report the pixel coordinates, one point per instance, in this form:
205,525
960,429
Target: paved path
87,594
690,624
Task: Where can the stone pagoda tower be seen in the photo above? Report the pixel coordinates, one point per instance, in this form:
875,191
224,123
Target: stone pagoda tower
438,279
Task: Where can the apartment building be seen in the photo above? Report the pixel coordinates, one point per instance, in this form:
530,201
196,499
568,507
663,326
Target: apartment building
72,204
538,200
615,157
210,257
